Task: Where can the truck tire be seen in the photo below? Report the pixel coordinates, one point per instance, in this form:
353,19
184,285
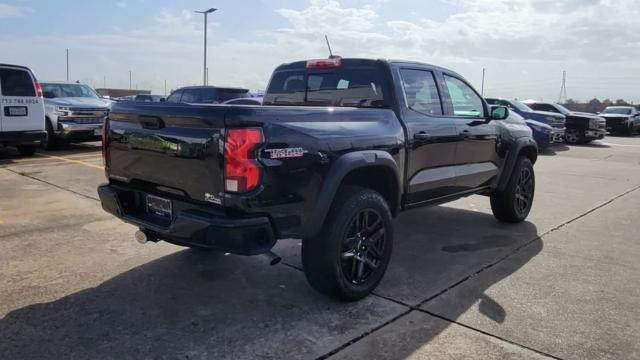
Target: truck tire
26,150
49,142
513,204
574,136
630,130
349,257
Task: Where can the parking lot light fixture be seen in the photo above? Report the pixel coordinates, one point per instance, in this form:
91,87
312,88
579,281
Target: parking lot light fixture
205,12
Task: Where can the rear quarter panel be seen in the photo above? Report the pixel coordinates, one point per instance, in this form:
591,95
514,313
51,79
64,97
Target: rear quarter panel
291,185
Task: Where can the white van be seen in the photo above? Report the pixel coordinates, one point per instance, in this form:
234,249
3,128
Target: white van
21,109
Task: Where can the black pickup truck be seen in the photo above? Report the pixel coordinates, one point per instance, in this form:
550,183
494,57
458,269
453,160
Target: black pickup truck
581,128
339,148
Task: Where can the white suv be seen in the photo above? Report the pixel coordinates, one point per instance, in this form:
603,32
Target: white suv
21,109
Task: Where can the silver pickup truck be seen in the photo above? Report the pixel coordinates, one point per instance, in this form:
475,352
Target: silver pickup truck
74,112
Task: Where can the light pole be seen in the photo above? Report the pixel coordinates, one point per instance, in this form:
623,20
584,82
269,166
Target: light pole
204,69
67,65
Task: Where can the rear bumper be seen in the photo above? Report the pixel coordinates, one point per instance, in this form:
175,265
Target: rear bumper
22,137
191,224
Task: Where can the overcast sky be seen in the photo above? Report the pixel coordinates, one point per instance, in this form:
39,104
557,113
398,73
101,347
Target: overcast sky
523,44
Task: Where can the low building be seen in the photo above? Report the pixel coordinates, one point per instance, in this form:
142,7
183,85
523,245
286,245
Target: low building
116,93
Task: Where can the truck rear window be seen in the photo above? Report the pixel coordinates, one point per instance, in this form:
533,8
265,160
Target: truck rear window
347,86
16,82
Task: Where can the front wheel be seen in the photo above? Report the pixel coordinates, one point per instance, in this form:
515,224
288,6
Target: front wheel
574,136
513,204
26,150
630,130
349,257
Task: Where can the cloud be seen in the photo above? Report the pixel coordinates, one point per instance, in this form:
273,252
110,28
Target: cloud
8,11
524,44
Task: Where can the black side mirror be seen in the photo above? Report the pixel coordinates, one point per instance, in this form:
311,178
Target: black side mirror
163,99
499,112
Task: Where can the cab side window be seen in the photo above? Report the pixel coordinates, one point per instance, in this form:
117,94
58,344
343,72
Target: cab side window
175,97
421,91
16,83
465,101
191,96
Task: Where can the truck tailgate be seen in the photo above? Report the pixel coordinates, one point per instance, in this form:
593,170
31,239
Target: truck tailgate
176,148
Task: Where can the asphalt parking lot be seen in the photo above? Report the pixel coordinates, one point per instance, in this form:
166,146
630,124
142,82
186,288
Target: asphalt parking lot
565,284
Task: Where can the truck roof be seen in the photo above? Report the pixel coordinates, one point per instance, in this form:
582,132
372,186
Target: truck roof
214,87
17,66
61,82
302,63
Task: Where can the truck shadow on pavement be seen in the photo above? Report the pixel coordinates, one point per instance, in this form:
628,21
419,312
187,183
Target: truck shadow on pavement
9,155
197,305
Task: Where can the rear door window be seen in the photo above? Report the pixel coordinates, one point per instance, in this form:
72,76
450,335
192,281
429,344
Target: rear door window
421,91
16,82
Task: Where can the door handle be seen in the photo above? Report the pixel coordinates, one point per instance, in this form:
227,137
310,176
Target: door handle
422,136
465,134
151,122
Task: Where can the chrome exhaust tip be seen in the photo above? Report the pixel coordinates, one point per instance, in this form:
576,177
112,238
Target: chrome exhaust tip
272,258
141,237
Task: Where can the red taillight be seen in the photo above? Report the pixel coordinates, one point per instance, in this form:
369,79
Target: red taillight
38,89
241,170
333,62
105,134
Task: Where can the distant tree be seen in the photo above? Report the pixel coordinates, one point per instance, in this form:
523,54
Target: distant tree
595,106
621,102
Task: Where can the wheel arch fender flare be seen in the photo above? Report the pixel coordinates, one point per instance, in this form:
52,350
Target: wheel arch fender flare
344,165
526,145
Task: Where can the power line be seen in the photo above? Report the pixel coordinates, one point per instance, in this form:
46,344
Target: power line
563,89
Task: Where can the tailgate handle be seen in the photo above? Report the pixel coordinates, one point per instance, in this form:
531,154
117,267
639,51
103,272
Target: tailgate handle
151,122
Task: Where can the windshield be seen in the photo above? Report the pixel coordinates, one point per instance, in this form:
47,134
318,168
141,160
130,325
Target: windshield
52,91
348,86
521,106
562,109
622,111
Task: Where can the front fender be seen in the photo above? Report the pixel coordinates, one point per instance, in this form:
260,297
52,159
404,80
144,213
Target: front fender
339,170
513,152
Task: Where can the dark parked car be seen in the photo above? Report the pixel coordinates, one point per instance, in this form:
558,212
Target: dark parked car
206,95
622,119
581,127
547,127
148,98
338,149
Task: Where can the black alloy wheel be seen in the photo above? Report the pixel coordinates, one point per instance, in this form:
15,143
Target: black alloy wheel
347,259
524,191
363,247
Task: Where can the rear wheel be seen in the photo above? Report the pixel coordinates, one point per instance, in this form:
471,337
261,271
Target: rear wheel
574,136
513,204
349,257
26,150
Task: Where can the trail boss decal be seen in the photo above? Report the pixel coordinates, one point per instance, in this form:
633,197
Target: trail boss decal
286,153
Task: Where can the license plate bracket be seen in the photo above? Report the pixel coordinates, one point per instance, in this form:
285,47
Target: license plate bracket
159,206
